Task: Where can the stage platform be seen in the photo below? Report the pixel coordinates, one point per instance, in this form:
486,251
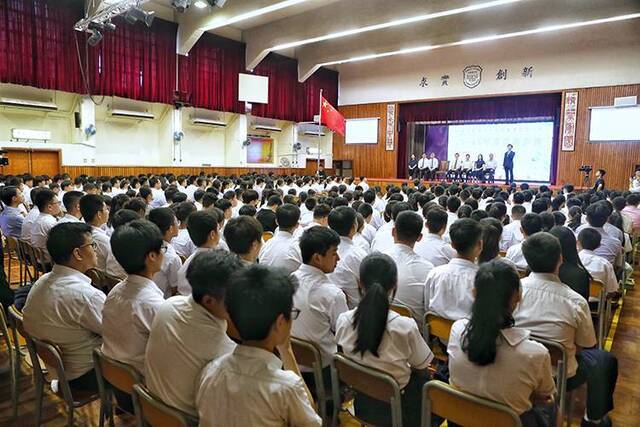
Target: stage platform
383,182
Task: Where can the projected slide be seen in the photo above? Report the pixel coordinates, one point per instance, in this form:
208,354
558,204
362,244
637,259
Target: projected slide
532,143
260,150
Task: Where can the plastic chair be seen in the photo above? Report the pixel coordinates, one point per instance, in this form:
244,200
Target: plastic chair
102,280
401,309
4,330
267,235
437,327
368,381
558,356
152,412
463,408
597,290
13,247
52,357
29,261
308,355
116,374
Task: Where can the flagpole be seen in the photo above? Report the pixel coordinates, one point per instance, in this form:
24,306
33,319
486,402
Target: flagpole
319,134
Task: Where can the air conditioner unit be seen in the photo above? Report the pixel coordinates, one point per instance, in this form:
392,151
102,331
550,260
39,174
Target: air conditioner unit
130,114
268,128
27,103
31,135
207,122
314,133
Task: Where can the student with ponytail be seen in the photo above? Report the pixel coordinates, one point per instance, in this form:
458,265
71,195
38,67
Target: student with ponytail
491,358
375,336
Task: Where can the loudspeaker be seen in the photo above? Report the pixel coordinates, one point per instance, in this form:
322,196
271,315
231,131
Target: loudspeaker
76,118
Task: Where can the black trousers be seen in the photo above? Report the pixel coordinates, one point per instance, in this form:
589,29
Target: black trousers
599,369
85,382
454,175
508,170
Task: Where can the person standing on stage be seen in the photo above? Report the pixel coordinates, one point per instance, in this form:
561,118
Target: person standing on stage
507,164
599,185
455,167
413,164
490,168
422,166
467,167
432,166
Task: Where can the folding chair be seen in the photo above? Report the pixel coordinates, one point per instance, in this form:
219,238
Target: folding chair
116,374
440,328
558,356
308,355
13,252
463,408
401,309
4,330
52,357
17,332
152,412
102,280
29,261
597,291
368,381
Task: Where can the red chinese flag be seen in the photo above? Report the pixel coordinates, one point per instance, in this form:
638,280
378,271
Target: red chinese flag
331,117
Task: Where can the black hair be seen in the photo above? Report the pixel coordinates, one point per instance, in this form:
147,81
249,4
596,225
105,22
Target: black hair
465,210
123,216
518,198
209,273
209,199
132,242
317,240
90,206
453,203
240,233
136,204
258,296
321,211
247,210
9,192
222,204
408,226
589,239
164,218
200,224
479,214
64,238
547,221
267,219
567,240
43,198
287,216
378,277
496,283
491,232
542,251
144,192
274,200
342,219
184,209
465,234
597,214
518,211
71,199
559,218
436,220
575,218
531,223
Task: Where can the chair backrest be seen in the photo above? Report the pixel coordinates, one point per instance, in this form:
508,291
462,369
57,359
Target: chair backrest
4,330
120,375
463,408
151,411
369,381
267,235
102,280
16,319
306,352
596,289
401,309
558,356
51,355
502,253
437,326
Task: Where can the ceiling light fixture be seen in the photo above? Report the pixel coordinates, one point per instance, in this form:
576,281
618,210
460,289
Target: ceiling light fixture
254,13
200,4
484,39
396,23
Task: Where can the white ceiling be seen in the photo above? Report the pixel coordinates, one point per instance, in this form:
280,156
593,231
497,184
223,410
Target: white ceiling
306,24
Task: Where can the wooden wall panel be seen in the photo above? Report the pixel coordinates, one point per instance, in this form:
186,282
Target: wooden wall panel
617,158
371,160
179,170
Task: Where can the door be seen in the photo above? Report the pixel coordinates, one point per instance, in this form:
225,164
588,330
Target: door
34,162
19,162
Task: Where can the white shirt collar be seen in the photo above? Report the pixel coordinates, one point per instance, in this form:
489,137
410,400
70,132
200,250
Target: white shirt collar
463,263
547,277
270,360
62,270
311,270
514,336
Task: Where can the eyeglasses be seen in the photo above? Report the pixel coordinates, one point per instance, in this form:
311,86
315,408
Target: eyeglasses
295,312
94,245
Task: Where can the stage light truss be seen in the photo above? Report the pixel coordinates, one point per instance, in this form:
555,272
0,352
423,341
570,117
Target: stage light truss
104,11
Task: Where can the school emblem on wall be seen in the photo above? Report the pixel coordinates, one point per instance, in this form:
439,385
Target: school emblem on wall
471,76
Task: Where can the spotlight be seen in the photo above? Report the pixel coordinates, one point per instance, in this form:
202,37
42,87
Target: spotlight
95,38
181,5
135,14
110,26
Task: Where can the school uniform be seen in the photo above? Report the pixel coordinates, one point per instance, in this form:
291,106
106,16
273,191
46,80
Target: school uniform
27,224
104,246
182,284
448,289
40,232
369,233
182,243
610,247
68,218
114,268
248,387
347,271
515,255
511,235
184,337
167,277
11,221
158,198
361,242
600,269
383,240
434,249
274,252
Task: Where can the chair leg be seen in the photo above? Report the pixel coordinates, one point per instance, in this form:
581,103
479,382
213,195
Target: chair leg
14,391
70,415
39,394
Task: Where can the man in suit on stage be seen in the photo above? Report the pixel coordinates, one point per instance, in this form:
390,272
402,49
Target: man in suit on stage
422,166
507,164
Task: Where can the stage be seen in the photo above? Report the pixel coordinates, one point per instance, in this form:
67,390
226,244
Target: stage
383,182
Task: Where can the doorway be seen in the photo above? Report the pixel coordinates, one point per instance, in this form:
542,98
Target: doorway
34,162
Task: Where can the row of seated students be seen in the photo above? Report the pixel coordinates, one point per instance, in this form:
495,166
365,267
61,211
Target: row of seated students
324,288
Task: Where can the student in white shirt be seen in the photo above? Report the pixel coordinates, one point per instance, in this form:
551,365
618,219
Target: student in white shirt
182,242
252,386
122,217
190,331
511,233
383,239
612,238
343,220
306,211
320,217
453,204
376,336
273,252
432,246
49,207
358,239
71,202
243,235
158,195
167,277
448,288
369,231
96,213
552,310
529,225
132,304
600,269
377,220
319,300
204,230
490,358
412,269
64,308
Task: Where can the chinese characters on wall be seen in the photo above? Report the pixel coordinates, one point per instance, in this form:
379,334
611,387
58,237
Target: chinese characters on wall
569,121
472,76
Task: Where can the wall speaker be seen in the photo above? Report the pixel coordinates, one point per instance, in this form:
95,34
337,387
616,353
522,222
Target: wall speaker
76,119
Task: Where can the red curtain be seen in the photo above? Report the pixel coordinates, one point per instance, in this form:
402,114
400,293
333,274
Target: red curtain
136,62
37,45
209,75
285,101
324,79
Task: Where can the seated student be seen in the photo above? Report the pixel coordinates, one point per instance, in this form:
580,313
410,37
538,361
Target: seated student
343,220
412,269
182,242
320,218
306,211
64,308
369,231
190,331
248,210
96,213
529,225
572,271
243,234
11,218
319,300
490,358
251,386
167,277
432,246
138,205
448,288
273,251
553,311
383,239
267,218
203,227
71,202
49,207
511,233
377,337
132,304
612,239
589,241
358,239
491,232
